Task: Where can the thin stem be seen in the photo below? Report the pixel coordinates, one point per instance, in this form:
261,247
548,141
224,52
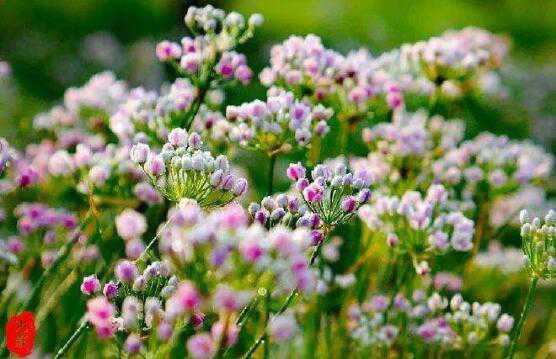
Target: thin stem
254,346
153,241
271,165
190,118
527,306
63,253
64,349
282,309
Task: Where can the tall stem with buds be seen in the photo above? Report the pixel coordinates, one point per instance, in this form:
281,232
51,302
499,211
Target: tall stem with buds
523,317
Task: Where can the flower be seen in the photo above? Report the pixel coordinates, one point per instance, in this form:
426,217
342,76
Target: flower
335,194
201,346
130,224
539,244
90,285
278,124
186,171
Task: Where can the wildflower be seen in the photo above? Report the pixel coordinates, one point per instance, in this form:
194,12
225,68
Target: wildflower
539,244
277,125
90,285
208,57
334,195
130,224
435,227
282,327
188,172
201,346
126,271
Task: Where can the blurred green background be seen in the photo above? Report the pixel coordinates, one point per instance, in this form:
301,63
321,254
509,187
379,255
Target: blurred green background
54,44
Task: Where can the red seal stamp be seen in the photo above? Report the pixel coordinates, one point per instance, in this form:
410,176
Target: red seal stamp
20,334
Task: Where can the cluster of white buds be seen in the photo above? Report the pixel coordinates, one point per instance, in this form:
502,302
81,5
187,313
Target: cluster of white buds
184,170
539,244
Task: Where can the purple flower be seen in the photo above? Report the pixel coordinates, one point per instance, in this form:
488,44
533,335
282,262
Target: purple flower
110,290
90,285
295,171
349,204
126,271
505,323
282,327
155,165
313,193
133,344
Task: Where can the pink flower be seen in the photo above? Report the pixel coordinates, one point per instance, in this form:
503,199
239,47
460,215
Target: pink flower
187,296
167,50
130,224
201,346
90,285
99,311
349,204
295,171
313,193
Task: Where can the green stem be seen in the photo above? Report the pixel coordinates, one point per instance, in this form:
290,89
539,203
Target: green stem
190,118
270,177
282,309
528,304
64,349
63,253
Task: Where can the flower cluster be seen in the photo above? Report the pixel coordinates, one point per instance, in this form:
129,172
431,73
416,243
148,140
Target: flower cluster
147,115
401,150
453,324
309,69
539,244
42,230
418,226
183,170
209,57
156,302
278,124
132,303
334,194
456,56
500,163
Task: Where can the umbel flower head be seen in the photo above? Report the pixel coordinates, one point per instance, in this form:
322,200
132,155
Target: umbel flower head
456,55
183,170
419,226
334,194
209,52
539,244
278,124
433,320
